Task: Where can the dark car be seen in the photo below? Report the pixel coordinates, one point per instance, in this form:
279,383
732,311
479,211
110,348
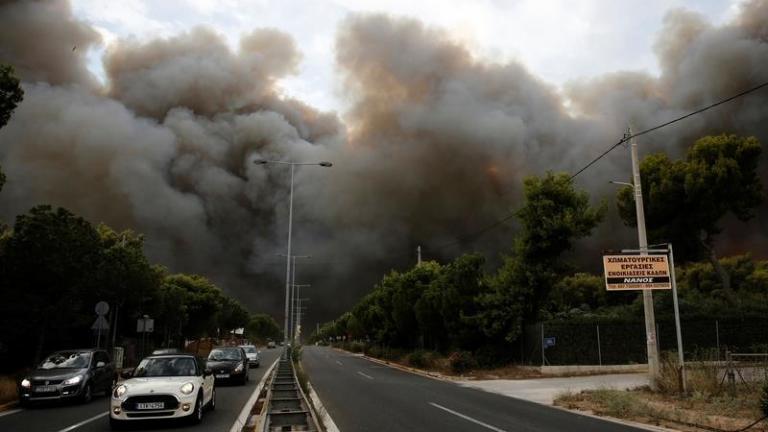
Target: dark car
162,351
228,364
69,375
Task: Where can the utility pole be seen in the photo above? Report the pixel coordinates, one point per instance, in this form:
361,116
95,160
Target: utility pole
650,319
418,255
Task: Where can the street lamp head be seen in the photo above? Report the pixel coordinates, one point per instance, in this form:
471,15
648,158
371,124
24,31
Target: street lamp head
325,164
260,162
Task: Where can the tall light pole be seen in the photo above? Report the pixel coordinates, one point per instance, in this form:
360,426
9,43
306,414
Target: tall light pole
297,306
290,224
292,297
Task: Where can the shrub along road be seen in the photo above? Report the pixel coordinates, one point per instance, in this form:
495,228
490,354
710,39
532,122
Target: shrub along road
364,396
93,417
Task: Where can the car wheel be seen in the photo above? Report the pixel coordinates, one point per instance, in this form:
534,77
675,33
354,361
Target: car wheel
116,424
197,416
87,395
212,402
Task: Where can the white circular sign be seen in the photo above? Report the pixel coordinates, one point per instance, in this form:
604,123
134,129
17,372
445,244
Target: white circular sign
102,308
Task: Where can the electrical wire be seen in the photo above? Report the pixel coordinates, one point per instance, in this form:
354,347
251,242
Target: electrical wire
490,227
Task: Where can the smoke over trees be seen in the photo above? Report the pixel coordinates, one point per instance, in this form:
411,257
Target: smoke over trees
435,144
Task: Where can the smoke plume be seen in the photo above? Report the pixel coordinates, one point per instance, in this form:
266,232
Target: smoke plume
433,147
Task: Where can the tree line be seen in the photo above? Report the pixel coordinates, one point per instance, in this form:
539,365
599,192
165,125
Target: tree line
462,305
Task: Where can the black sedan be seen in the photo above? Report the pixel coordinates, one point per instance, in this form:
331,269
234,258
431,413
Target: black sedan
229,364
69,375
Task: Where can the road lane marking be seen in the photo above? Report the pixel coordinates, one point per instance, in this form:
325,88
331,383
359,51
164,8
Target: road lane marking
5,413
77,425
466,417
365,375
340,363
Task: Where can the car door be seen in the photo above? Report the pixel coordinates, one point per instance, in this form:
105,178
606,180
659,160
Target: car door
101,374
207,380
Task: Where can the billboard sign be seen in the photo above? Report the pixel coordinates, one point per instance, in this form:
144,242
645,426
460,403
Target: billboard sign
636,272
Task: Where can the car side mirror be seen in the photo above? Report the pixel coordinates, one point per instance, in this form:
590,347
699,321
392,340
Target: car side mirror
126,373
207,372
100,365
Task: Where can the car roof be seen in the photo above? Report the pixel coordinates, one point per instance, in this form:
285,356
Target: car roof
170,355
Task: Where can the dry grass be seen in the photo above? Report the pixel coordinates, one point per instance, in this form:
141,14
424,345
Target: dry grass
715,411
8,391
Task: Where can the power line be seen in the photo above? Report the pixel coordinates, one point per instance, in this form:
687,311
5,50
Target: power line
494,225
698,111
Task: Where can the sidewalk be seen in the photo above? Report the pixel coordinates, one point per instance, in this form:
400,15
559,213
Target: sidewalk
544,390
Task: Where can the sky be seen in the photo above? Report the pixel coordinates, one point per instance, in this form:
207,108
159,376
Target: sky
557,40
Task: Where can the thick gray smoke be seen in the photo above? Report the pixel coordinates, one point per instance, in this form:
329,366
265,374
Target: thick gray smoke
433,147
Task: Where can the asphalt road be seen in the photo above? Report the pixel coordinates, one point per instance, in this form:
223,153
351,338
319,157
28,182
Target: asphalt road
364,396
93,417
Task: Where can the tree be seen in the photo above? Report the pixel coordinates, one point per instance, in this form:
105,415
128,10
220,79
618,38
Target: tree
686,200
554,215
10,96
47,276
263,327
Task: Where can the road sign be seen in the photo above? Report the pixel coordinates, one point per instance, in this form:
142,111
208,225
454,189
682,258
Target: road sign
636,272
549,342
100,324
102,308
145,325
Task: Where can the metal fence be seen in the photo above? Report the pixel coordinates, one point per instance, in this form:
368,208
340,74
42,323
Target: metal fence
613,342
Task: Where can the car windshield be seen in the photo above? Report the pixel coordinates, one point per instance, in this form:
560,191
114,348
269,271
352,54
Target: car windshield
249,350
67,360
224,354
166,366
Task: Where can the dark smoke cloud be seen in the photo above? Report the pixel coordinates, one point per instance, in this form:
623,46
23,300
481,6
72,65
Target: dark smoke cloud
434,145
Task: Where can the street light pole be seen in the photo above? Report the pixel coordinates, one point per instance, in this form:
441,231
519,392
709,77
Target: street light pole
650,319
290,226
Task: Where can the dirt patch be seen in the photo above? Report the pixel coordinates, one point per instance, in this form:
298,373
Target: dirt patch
694,413
8,390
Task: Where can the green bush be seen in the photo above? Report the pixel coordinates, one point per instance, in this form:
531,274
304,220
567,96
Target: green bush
356,347
461,361
420,359
374,351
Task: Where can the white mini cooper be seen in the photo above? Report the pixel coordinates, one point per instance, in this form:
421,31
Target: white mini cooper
164,387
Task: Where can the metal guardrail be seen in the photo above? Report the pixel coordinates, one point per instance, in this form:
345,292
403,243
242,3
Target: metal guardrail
287,406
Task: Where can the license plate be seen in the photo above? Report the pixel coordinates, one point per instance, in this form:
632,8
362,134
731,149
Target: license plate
222,376
45,389
150,405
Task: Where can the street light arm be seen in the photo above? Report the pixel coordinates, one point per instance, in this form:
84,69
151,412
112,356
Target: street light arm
268,161
621,183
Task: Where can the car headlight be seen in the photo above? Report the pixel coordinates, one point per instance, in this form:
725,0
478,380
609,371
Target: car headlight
239,367
73,380
119,391
187,388
26,383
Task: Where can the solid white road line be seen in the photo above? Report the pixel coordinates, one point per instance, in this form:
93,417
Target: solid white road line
365,375
468,418
77,425
9,412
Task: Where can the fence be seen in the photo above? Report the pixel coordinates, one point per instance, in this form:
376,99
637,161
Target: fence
611,342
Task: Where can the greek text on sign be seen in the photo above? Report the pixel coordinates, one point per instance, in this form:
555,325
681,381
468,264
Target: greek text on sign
636,272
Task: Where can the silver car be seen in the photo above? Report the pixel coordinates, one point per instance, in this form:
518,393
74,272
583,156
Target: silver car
254,360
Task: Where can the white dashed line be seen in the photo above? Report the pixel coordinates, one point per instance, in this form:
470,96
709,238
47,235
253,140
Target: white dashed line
5,413
468,418
77,425
365,375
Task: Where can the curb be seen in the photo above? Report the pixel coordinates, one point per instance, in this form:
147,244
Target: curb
242,419
325,418
9,406
393,365
644,426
